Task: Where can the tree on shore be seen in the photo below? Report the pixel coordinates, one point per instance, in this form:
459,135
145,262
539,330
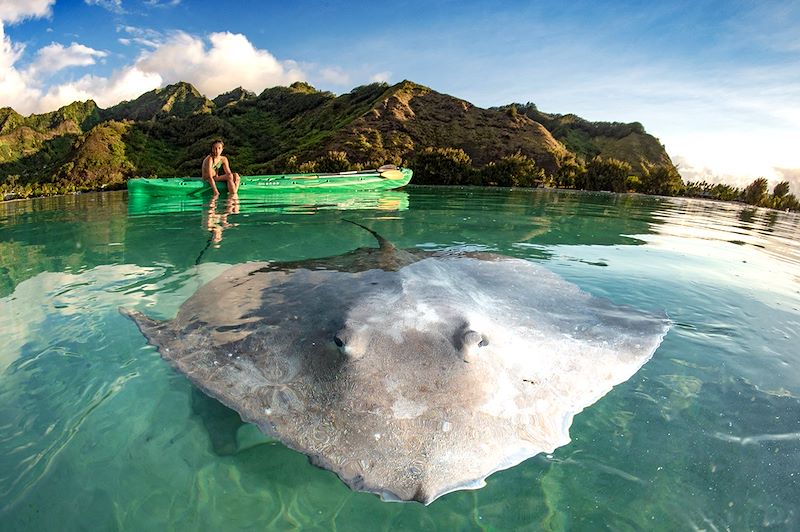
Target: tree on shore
781,199
442,166
756,192
605,173
570,171
781,189
703,189
515,170
661,179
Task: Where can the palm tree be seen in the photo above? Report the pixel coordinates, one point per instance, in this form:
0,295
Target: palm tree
756,192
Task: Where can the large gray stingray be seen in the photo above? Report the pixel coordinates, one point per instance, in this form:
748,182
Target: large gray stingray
409,375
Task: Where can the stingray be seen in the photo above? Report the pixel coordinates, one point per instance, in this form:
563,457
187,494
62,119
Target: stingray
409,374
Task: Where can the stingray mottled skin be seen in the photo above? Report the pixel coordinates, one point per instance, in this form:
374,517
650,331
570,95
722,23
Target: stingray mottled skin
408,375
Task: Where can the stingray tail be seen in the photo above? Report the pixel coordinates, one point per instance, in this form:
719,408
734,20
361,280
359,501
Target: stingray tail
384,244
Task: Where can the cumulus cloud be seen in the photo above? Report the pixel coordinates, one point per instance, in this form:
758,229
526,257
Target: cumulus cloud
214,65
123,84
55,57
20,88
9,52
13,85
231,60
27,91
12,11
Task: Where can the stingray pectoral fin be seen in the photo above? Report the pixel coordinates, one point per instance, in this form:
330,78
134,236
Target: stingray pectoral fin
152,329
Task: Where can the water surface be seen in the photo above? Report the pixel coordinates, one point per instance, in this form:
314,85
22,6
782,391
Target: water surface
97,432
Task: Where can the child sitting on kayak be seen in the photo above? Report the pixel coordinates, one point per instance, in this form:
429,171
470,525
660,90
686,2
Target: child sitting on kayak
216,168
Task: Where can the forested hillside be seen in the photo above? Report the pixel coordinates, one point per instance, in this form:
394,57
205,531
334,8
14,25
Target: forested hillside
446,140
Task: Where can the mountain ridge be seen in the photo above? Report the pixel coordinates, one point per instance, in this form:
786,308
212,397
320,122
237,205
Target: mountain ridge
167,131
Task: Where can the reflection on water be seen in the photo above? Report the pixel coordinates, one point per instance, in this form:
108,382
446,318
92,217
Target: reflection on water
772,231
96,432
216,223
277,202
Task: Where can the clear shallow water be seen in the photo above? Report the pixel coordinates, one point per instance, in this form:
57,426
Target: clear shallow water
97,432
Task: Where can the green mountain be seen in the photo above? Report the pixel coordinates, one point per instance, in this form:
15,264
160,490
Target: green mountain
181,100
625,142
233,97
407,117
167,132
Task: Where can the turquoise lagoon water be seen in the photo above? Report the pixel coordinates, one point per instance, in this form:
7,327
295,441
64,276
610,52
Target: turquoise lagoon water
98,433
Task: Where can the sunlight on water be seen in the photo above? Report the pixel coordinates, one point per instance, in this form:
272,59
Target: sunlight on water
97,432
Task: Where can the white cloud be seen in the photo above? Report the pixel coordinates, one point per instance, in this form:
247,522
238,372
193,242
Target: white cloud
27,91
14,89
9,52
231,60
59,95
14,85
125,84
689,172
147,38
145,43
114,6
381,77
334,75
55,57
12,11
162,3
214,65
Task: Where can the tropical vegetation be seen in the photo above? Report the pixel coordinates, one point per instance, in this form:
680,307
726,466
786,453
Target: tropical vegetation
446,140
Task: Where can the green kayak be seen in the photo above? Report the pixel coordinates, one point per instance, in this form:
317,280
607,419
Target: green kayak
384,178
297,202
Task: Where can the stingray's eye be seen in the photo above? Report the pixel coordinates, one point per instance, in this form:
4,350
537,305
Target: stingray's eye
349,344
470,342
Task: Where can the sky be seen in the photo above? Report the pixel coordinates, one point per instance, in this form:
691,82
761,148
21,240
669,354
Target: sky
716,81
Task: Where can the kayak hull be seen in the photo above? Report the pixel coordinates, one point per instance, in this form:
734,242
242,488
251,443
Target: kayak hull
303,202
268,184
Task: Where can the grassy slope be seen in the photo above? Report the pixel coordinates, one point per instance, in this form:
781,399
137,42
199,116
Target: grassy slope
99,158
623,141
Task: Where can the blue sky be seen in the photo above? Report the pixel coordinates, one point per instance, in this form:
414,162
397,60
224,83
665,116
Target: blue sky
718,82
